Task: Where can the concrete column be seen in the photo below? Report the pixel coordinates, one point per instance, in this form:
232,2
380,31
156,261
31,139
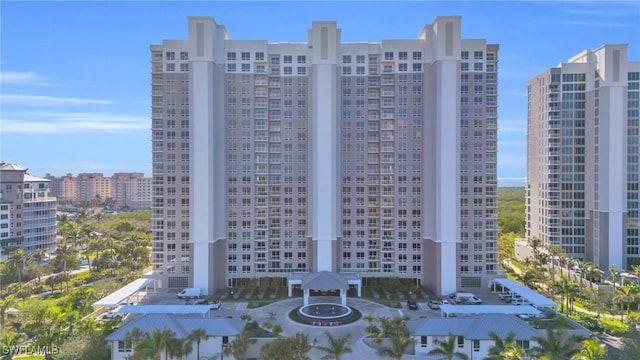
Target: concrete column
289,289
305,300
343,297
360,288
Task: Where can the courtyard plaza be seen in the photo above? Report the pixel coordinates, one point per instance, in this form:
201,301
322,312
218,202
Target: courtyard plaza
278,311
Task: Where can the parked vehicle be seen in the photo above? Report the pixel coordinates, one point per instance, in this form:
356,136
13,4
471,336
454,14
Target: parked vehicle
520,301
505,296
115,314
434,305
412,305
445,302
190,293
466,298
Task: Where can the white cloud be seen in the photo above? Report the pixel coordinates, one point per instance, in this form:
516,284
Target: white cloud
74,123
21,78
44,100
607,24
512,126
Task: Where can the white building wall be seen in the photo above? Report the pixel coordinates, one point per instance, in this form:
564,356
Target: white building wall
324,37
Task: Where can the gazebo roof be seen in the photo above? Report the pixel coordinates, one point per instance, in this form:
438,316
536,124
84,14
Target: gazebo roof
324,280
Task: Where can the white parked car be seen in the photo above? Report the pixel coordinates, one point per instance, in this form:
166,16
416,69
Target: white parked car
520,301
466,298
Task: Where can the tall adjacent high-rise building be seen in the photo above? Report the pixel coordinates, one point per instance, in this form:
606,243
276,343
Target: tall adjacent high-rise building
27,211
373,158
582,145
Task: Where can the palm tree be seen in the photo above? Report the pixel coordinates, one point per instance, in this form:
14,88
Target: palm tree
399,345
18,260
512,352
555,345
5,303
591,350
529,278
592,271
134,335
9,342
178,348
337,346
614,273
631,341
554,251
447,349
625,295
500,346
197,335
295,347
535,244
564,261
154,344
566,288
239,346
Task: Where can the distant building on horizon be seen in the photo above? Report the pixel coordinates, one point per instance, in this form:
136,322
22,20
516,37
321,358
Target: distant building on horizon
27,211
583,147
125,190
373,159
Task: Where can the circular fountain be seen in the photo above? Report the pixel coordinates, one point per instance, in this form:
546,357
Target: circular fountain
325,311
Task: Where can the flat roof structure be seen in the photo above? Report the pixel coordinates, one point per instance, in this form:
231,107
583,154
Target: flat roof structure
532,296
445,310
164,309
125,292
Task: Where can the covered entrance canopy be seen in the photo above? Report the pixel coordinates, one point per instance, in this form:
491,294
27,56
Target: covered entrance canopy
324,281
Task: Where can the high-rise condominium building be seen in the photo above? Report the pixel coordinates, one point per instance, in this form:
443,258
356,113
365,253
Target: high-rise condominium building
27,211
373,158
582,139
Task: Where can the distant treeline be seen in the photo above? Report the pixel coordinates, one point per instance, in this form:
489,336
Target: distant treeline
511,210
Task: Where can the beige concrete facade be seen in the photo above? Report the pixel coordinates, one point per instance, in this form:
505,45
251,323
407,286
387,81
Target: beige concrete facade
582,139
375,158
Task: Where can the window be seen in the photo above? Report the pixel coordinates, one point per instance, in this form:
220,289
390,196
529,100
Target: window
477,66
360,59
288,59
464,66
464,55
346,59
246,67
170,55
402,55
259,56
184,55
184,67
171,67
477,55
417,67
417,55
231,56
388,55
302,59
245,56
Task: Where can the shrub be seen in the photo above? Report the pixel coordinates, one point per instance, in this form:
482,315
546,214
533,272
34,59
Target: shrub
614,327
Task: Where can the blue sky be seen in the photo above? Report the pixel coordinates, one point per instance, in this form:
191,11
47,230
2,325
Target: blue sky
75,93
